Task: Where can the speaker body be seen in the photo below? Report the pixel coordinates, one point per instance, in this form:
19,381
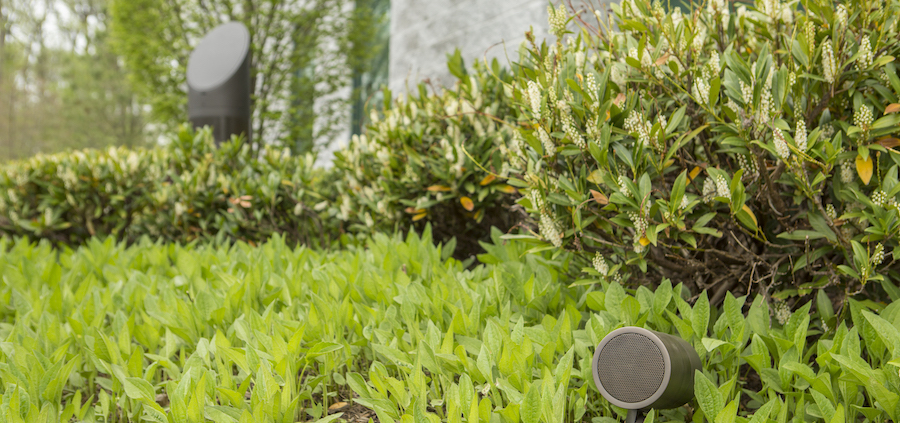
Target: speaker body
636,368
218,77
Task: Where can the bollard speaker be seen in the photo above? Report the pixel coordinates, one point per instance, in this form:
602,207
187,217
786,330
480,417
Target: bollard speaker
637,369
218,77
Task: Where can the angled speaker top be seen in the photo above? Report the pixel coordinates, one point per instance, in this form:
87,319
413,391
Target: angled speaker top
218,56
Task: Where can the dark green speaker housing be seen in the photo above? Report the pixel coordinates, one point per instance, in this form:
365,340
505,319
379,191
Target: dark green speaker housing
639,369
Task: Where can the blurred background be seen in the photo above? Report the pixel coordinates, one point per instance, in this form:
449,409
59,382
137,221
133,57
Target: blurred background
93,73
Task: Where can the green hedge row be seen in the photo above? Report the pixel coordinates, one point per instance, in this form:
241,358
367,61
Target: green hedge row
189,190
437,158
412,166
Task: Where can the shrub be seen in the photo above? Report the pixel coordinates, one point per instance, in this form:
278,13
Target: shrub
186,191
414,164
736,149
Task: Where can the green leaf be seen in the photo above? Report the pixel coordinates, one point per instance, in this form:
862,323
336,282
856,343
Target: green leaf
715,84
330,418
140,389
700,319
728,414
888,333
530,408
707,395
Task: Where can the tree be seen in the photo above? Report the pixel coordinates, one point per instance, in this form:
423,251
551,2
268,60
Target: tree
299,53
61,86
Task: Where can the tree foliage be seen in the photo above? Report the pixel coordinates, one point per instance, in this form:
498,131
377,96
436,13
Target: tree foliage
299,52
61,86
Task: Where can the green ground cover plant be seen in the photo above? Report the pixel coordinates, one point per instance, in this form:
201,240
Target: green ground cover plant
399,332
737,147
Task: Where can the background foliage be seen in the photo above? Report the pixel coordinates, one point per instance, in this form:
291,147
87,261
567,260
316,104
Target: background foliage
300,51
61,86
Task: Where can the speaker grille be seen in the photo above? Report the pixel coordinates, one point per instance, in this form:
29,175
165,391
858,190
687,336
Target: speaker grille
631,367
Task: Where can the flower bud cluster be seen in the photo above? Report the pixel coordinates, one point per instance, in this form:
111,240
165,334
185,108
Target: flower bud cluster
829,210
866,57
549,147
623,186
557,20
781,145
569,124
592,91
635,124
640,223
810,29
879,198
847,172
713,66
537,201
600,264
722,189
701,90
800,135
840,15
709,190
550,229
878,255
863,117
750,167
534,96
828,63
782,312
746,93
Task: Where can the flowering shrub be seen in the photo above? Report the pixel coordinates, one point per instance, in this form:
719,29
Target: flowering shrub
746,148
414,163
188,190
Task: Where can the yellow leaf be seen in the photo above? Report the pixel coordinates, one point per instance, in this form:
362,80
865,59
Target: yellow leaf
487,179
287,182
596,177
436,188
420,216
892,108
669,162
507,189
413,210
580,78
478,215
694,172
864,169
467,203
607,115
644,241
599,198
337,405
752,216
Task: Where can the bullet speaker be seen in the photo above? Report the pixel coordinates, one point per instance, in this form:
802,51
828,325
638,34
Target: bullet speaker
218,77
638,369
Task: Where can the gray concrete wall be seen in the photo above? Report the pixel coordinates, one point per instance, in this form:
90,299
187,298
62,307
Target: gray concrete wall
424,31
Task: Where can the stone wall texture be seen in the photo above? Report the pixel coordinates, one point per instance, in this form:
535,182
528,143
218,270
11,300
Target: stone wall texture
424,31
